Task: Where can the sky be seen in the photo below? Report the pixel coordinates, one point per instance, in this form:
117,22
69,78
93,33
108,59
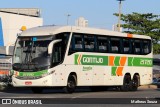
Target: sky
99,13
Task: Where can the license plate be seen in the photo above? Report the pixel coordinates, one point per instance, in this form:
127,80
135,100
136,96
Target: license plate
28,83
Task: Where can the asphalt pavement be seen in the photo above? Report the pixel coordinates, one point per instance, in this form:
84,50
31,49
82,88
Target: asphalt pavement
87,98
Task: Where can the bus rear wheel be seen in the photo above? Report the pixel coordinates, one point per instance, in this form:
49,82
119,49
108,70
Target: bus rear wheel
37,90
134,83
126,83
71,84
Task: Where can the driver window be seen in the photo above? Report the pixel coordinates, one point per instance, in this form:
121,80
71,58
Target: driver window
57,54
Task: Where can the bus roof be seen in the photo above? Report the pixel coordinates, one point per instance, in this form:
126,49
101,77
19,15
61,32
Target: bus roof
52,30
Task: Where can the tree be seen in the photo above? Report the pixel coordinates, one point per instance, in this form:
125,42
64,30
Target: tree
143,24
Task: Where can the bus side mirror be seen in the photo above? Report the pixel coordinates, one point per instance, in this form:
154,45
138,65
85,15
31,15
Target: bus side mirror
51,44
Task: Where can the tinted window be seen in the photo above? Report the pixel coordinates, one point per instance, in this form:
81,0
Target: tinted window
146,46
109,44
126,46
115,45
102,44
78,42
89,43
59,49
137,46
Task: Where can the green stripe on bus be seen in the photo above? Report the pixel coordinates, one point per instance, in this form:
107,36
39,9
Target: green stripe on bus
114,71
36,74
76,59
116,61
136,61
103,60
130,61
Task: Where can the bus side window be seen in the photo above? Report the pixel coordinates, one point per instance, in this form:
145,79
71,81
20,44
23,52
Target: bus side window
146,47
115,45
126,46
137,47
76,44
102,43
57,54
89,43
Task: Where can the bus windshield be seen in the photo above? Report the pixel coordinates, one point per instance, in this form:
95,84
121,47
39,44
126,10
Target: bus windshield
31,53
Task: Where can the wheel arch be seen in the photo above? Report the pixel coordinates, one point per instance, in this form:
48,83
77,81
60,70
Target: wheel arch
128,74
75,74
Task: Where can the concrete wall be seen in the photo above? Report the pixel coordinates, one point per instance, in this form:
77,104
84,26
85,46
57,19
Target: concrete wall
12,23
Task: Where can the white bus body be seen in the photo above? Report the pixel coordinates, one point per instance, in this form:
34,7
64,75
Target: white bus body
94,57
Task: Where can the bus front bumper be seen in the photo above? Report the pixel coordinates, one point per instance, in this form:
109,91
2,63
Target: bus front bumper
45,81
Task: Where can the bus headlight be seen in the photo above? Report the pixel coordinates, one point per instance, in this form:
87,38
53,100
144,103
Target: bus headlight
49,73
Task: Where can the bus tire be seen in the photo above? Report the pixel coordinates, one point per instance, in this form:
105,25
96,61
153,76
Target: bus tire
126,83
37,90
134,83
71,84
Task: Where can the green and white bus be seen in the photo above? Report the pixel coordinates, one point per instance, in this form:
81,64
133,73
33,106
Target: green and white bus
70,56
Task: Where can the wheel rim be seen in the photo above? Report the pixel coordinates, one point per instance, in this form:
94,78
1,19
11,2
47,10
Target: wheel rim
135,83
71,84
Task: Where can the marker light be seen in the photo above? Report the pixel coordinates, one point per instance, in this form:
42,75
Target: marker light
23,28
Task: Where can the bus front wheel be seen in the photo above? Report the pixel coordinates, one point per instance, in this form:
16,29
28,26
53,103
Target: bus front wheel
71,84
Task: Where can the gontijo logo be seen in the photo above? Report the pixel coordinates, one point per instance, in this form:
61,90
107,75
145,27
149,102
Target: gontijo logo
91,60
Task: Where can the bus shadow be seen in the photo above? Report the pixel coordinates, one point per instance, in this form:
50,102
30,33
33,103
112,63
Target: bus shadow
61,91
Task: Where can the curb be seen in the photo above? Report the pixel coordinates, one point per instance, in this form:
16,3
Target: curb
148,87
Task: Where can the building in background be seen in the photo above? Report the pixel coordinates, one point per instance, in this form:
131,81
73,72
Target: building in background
11,22
115,28
82,22
12,19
